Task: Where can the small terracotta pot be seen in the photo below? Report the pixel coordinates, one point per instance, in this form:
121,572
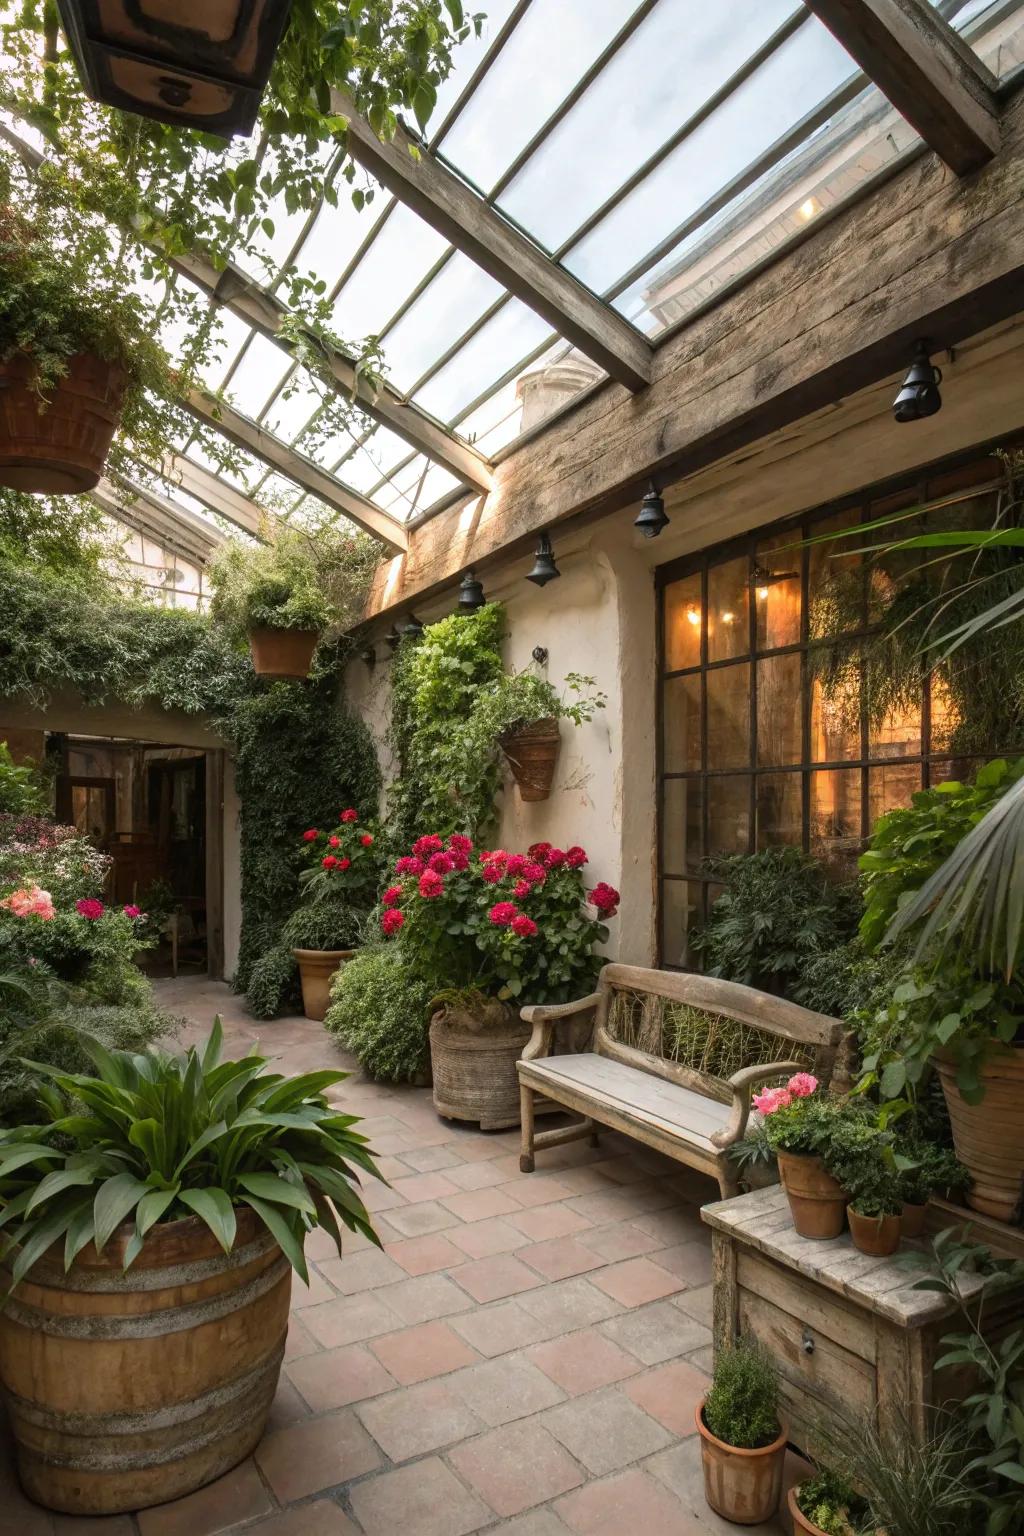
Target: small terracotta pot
815,1198
282,653
741,1486
801,1525
317,968
532,752
912,1220
877,1235
989,1136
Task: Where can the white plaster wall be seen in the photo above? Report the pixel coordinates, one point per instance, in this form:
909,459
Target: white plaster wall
232,870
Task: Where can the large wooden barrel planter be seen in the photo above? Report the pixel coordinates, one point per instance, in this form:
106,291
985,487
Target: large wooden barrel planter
61,449
473,1059
129,1389
989,1137
532,753
282,653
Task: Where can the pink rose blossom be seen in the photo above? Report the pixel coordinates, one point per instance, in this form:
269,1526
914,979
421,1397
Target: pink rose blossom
460,843
460,861
441,863
424,846
534,872
409,866
522,888
491,873
30,902
391,896
132,911
517,862
802,1084
554,858
431,885
575,857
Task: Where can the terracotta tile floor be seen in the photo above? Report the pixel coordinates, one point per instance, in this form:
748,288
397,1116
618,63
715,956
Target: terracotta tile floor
525,1356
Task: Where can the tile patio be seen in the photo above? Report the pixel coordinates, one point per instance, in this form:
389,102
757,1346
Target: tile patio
523,1357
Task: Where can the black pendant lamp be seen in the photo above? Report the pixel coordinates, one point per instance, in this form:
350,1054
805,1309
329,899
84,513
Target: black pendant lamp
412,628
544,567
919,393
651,518
471,594
190,64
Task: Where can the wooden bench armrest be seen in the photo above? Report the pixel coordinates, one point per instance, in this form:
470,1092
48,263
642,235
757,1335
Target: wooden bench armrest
742,1084
544,1017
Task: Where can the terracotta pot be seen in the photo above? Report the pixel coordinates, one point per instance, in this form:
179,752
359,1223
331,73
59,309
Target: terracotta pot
283,652
317,969
817,1202
130,1388
741,1486
473,1059
877,1235
60,450
989,1137
532,752
801,1525
912,1220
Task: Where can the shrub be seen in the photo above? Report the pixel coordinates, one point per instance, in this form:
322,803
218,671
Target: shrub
778,912
22,788
304,579
273,983
849,980
323,925
380,1011
741,1407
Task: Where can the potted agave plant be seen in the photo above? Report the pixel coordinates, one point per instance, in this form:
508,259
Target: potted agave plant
337,886
521,712
798,1124
742,1436
498,929
152,1222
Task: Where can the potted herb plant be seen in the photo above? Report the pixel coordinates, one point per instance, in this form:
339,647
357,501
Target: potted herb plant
927,1169
338,886
521,711
152,1223
282,596
497,930
861,1156
799,1122
827,1505
742,1437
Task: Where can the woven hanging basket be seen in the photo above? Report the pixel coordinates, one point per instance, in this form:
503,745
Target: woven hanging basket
532,752
473,1057
283,653
61,449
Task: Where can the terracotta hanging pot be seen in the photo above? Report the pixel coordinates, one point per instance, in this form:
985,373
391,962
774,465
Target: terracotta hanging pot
817,1202
878,1236
989,1137
283,653
532,752
59,450
912,1220
741,1485
317,969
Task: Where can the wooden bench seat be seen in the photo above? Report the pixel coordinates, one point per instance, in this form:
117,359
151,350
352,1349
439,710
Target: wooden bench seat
647,1054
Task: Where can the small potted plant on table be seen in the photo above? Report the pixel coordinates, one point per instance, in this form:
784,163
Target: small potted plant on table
799,1123
498,930
862,1157
521,711
337,886
742,1437
926,1170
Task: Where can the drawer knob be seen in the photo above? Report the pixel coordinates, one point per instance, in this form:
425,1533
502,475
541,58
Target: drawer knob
807,1342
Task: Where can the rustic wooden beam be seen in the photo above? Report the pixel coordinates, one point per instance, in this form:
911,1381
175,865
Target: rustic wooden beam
160,519
927,71
459,213
251,437
216,495
928,255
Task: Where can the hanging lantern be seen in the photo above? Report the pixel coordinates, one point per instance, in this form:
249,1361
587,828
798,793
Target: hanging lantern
651,518
544,567
200,64
471,594
919,393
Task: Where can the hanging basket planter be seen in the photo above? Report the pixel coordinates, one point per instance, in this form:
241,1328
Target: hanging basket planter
59,450
283,653
532,753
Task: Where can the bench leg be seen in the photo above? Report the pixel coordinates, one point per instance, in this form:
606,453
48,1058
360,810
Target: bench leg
727,1183
526,1160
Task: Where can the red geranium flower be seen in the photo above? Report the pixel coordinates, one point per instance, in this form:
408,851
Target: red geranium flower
344,863
391,922
460,843
329,861
502,914
349,815
576,857
407,865
89,907
534,872
605,898
132,911
460,861
431,885
491,873
310,836
333,842
524,926
367,839
392,895
539,850
425,846
517,862
522,888
440,863
554,858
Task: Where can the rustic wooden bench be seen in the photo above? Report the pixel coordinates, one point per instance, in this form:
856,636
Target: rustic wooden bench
670,1059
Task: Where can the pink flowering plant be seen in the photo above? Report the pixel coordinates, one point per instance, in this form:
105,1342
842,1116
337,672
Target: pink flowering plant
341,861
509,925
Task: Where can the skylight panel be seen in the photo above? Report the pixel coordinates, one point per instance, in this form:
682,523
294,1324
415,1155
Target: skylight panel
467,58
259,373
503,341
459,294
401,254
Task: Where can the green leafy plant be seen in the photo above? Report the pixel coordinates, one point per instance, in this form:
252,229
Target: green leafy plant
850,981
272,987
753,1150
302,579
778,912
830,1502
156,1137
928,1169
518,699
22,787
809,1125
323,925
343,863
380,1011
742,1405
913,1487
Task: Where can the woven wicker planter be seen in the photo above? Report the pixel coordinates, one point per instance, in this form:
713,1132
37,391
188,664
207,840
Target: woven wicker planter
60,450
282,652
989,1137
473,1059
532,752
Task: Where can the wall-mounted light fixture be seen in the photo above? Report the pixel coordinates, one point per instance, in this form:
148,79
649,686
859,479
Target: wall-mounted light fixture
651,518
411,629
471,594
919,393
191,64
764,579
544,567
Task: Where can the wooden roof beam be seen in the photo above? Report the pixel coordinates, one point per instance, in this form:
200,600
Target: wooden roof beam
459,213
156,517
252,438
931,76
216,495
